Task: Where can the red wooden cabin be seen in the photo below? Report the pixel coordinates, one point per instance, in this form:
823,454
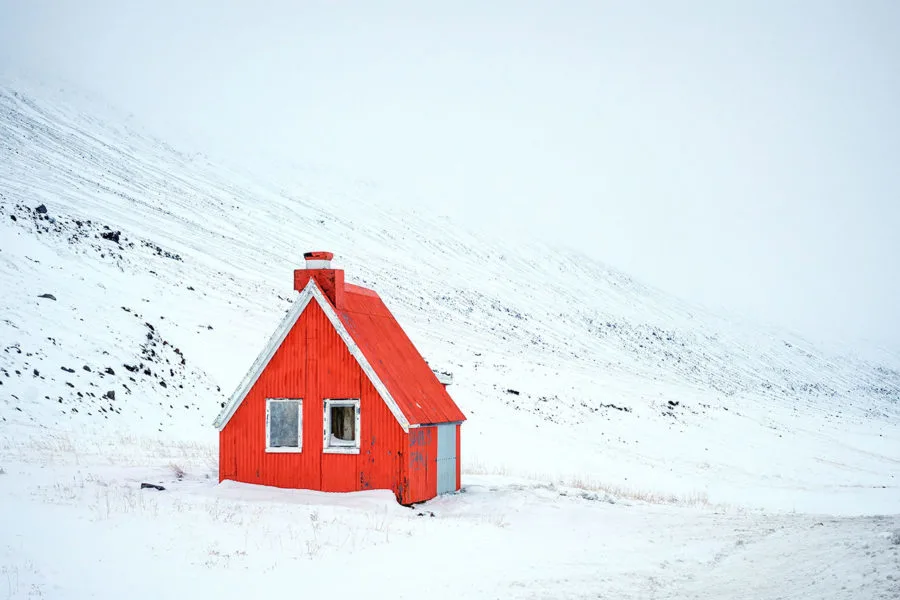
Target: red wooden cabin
340,400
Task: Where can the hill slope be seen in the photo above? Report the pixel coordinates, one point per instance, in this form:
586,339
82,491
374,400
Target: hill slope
170,271
618,439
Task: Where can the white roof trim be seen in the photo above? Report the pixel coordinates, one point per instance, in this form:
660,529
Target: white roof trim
309,293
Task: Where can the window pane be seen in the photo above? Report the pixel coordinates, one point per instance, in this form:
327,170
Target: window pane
284,421
343,423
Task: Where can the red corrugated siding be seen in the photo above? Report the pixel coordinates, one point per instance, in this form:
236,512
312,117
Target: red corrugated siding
227,468
382,444
431,461
412,384
421,464
313,363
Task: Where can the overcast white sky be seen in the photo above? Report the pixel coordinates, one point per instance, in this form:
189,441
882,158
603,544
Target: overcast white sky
740,154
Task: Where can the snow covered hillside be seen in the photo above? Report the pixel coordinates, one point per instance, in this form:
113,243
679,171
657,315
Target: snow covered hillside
140,281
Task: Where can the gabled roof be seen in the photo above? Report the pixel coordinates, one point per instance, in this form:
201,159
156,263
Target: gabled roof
414,386
385,353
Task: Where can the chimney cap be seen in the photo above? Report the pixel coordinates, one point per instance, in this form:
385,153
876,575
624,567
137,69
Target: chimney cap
318,255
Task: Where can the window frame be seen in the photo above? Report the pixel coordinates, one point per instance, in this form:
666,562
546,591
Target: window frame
345,447
285,449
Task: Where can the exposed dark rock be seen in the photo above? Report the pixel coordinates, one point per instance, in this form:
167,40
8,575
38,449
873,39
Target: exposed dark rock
622,408
131,368
41,210
153,486
112,236
86,368
513,392
67,369
47,296
110,395
160,252
109,371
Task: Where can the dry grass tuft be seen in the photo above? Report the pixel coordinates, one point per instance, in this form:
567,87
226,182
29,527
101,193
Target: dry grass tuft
589,484
638,495
177,471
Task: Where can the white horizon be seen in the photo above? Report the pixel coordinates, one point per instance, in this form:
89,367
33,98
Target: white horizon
740,158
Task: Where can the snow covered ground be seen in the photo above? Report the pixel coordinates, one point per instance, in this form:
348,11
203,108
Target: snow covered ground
88,531
620,442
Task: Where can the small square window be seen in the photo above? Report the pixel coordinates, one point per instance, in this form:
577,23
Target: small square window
284,425
341,426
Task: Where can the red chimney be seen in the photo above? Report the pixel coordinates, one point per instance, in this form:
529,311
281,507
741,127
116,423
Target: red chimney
318,267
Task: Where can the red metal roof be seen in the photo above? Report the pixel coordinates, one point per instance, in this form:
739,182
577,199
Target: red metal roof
408,378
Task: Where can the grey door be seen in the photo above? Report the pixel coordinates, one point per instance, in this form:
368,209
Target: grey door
446,459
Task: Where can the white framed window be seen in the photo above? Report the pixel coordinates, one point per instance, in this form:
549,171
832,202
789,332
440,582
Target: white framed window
284,424
341,426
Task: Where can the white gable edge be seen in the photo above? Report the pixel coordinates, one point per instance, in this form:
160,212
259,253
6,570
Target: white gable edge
256,369
310,292
359,356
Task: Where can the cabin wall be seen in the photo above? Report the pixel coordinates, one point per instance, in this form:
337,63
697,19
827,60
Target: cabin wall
458,457
313,363
433,462
421,465
446,462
